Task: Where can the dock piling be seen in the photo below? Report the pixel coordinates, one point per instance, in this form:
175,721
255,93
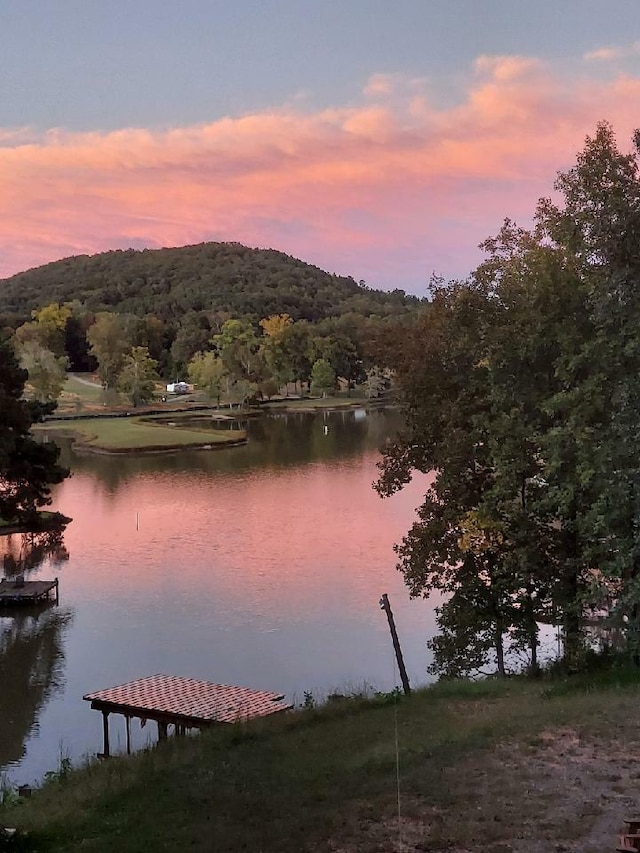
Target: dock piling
105,733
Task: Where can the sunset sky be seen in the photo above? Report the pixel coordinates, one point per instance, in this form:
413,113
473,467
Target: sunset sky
382,139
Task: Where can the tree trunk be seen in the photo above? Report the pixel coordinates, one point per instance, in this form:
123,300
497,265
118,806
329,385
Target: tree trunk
499,649
532,631
571,614
571,623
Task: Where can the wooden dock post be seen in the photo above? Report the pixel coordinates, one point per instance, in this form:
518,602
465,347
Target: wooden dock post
105,733
384,605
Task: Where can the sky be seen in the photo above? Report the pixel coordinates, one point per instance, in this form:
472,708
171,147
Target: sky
381,139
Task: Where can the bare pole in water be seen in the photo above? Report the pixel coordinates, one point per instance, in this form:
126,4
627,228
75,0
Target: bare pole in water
384,605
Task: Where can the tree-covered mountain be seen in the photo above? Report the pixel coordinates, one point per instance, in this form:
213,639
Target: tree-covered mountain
211,277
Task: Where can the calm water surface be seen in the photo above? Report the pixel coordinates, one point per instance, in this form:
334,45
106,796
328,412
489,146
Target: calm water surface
260,566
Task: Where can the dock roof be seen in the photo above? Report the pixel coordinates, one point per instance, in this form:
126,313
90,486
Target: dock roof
200,702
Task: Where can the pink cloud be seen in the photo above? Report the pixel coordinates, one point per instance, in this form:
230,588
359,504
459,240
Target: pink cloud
612,53
505,68
380,84
388,190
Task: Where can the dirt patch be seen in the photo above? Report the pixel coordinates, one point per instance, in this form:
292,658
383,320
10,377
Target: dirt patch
561,791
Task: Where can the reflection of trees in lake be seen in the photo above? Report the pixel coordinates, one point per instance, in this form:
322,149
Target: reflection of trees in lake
25,552
276,440
31,642
31,671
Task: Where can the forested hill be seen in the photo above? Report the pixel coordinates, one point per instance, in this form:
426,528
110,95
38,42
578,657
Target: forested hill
210,277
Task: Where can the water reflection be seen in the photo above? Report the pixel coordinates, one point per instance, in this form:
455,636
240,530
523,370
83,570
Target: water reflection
260,565
31,641
278,440
23,553
31,671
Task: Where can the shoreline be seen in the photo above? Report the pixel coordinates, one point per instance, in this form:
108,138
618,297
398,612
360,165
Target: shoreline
110,432
83,448
137,434
47,521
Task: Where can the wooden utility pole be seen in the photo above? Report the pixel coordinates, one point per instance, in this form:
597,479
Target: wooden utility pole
384,605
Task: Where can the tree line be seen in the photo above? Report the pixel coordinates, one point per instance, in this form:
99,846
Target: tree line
248,320
239,360
522,400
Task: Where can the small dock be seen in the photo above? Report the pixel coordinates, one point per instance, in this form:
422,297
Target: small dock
185,703
19,591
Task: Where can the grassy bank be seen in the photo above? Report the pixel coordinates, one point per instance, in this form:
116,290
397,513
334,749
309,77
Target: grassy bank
488,767
314,404
80,394
137,433
43,522
143,431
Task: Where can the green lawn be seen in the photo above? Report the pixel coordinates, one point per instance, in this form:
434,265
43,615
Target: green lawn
490,767
136,433
78,394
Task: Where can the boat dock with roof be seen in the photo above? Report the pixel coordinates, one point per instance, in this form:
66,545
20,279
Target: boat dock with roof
185,703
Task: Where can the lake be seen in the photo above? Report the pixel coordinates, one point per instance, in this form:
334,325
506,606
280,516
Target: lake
260,565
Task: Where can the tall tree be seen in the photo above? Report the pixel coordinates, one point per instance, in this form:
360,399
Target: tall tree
47,372
47,328
323,377
76,345
109,343
157,336
138,376
539,324
28,468
276,354
478,375
597,222
207,371
342,353
296,340
239,348
193,335
457,548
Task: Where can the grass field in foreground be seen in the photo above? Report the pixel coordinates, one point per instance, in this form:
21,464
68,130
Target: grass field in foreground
489,767
136,433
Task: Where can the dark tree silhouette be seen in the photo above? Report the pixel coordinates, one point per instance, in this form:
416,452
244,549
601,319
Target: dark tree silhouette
27,468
